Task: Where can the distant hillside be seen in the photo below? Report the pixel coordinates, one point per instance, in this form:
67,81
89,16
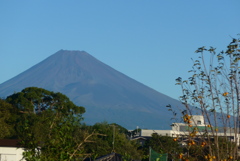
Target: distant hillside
107,94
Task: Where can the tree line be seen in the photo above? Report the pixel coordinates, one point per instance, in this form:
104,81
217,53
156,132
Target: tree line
49,126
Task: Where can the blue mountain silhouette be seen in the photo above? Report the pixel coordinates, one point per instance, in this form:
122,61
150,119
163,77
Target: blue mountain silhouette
107,95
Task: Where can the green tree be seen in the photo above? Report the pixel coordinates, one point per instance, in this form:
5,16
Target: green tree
48,125
7,119
35,100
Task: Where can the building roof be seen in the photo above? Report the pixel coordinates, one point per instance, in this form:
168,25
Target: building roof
9,143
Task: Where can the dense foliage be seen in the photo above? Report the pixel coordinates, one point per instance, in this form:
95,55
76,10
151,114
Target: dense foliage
162,145
47,123
7,119
49,127
113,140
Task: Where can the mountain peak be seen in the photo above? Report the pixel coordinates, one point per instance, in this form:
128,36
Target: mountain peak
62,51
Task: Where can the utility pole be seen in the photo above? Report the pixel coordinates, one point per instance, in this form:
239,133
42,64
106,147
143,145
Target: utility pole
113,150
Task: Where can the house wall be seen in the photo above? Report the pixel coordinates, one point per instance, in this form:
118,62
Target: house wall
198,120
11,154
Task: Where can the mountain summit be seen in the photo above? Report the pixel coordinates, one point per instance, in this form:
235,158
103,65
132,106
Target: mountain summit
107,94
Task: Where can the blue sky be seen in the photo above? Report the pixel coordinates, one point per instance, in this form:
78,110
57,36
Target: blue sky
151,41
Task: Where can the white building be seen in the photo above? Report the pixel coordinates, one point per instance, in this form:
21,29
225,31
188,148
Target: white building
196,122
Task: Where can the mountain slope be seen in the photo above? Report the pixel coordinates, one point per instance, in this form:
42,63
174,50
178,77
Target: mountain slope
107,94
